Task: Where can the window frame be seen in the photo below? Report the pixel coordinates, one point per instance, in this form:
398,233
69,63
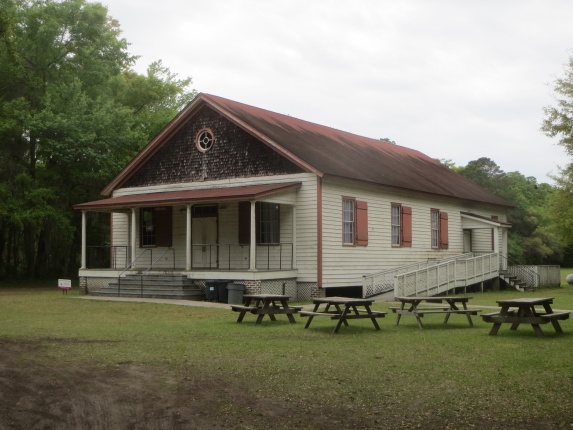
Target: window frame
435,228
393,226
268,223
160,232
200,140
439,229
401,232
354,222
348,203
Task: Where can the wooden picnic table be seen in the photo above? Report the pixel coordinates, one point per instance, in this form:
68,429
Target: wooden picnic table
450,307
342,309
266,304
525,313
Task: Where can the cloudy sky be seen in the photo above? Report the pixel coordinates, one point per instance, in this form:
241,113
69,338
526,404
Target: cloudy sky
455,79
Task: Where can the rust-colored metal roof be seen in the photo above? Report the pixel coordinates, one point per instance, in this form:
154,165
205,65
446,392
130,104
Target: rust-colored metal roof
339,153
327,151
191,196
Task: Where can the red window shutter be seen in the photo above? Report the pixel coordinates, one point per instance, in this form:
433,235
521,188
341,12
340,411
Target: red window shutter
244,223
444,230
406,226
164,226
361,223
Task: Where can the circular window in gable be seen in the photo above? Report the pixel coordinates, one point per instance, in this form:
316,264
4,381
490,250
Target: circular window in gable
205,140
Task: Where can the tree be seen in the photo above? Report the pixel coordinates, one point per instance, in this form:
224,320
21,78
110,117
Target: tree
558,122
531,240
72,114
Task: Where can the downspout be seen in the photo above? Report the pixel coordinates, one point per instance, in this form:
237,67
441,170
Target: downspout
319,231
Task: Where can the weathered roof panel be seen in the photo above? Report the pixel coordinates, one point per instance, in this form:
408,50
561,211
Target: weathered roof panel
190,196
339,153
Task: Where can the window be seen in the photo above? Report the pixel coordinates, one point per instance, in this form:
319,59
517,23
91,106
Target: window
354,222
439,229
268,225
156,226
348,221
204,140
396,225
148,227
267,222
401,225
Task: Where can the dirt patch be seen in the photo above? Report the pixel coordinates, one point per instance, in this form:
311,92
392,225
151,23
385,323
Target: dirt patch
41,395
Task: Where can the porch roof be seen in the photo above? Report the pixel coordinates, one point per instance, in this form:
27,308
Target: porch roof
471,220
189,196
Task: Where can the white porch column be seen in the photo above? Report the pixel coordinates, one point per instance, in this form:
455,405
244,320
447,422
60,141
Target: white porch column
504,248
188,241
133,234
496,244
294,265
253,240
84,244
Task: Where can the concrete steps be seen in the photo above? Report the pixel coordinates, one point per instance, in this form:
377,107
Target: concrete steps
153,286
514,281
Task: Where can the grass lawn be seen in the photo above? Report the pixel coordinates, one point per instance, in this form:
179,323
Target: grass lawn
280,375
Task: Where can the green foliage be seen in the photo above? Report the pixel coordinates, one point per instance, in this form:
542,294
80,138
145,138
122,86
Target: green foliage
532,238
558,122
72,114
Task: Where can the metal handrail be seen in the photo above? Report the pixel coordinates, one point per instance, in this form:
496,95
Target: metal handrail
151,266
130,266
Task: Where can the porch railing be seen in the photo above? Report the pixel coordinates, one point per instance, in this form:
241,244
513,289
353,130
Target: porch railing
109,257
279,256
276,256
445,276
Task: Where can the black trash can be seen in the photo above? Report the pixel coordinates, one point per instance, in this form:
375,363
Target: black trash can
222,293
211,293
236,292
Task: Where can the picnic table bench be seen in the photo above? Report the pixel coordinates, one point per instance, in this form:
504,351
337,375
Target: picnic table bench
524,312
342,309
266,304
419,312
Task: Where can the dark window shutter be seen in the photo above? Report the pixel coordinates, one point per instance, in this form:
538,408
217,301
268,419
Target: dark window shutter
164,225
258,222
406,226
444,230
361,223
244,223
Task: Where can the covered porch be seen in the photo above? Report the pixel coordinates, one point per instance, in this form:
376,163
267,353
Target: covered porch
203,233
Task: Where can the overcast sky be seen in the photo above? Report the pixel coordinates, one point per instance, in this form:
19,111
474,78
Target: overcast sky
455,79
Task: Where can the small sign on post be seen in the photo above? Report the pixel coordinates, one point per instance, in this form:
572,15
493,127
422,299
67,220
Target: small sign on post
64,285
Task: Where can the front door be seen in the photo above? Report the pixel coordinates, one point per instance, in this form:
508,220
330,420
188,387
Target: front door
204,243
467,241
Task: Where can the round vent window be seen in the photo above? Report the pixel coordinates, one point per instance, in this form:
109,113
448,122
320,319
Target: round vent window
204,140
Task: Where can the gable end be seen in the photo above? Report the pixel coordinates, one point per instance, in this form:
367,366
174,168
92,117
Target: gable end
235,154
